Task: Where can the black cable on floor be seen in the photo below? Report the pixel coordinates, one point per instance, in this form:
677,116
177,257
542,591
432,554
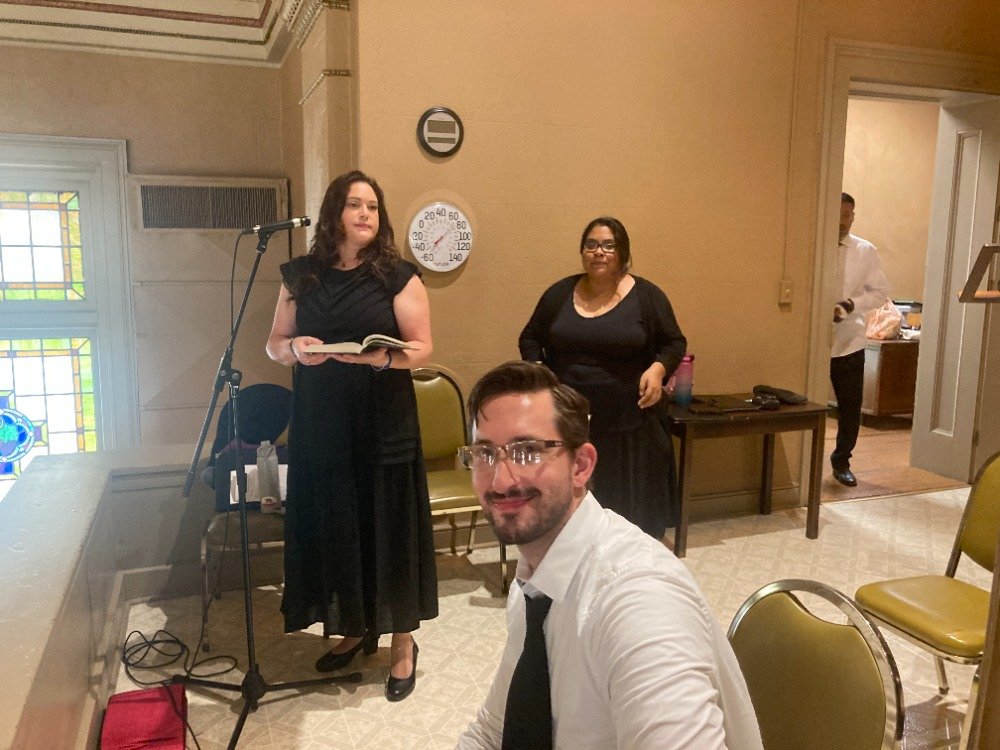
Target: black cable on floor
162,650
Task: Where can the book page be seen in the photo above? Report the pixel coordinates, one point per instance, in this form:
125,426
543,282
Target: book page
375,341
344,347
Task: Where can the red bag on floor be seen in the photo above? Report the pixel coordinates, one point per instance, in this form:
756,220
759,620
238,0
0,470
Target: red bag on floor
140,719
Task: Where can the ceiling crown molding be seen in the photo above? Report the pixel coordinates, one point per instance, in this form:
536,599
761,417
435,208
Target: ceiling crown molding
237,31
301,15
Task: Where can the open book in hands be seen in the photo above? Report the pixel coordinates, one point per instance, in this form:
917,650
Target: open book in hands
375,341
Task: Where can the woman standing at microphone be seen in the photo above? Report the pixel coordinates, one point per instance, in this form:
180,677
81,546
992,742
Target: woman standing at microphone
359,555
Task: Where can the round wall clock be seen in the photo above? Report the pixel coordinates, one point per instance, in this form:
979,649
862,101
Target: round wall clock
440,237
440,131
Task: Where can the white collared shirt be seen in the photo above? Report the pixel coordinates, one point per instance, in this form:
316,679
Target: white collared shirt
636,659
864,283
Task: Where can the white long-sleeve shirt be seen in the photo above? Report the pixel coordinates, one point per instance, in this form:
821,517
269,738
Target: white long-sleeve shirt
865,284
636,659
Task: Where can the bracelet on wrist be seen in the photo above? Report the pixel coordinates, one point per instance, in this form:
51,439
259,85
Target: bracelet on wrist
291,347
388,362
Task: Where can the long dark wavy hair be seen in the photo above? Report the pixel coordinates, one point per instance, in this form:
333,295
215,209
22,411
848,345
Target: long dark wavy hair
381,255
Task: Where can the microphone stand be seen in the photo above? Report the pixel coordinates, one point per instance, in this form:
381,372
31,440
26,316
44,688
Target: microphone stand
254,686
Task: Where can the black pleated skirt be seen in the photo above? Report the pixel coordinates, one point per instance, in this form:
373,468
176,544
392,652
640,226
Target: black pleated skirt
636,474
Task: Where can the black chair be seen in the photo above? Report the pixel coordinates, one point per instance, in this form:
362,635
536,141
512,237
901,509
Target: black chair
265,409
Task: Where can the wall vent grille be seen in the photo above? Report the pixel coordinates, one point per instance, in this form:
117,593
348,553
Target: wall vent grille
207,206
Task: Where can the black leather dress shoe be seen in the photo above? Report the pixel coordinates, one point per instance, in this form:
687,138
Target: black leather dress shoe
331,661
397,688
845,477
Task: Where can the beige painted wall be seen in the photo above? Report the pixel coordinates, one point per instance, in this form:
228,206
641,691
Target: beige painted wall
696,124
570,115
292,134
889,170
699,125
328,103
178,118
687,125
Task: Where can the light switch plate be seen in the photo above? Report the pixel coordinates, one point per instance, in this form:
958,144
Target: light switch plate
784,292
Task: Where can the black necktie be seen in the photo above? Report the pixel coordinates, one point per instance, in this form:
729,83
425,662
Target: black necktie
527,722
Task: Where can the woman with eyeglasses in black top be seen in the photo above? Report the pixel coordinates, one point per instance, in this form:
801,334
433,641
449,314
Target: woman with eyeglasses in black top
613,337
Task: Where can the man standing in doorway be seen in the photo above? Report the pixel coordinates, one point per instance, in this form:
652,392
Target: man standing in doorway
862,287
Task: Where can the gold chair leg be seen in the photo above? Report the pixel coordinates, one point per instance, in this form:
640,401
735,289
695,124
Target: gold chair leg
472,532
941,675
504,583
454,533
963,740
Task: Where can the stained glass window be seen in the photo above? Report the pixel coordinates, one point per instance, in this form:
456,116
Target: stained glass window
46,402
40,253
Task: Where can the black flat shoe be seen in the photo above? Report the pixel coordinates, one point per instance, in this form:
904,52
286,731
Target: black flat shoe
845,477
331,661
397,688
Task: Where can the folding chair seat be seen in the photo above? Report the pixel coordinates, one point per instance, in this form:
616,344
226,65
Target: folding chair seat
940,614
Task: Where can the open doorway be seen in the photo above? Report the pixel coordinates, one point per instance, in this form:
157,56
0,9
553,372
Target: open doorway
922,167
889,156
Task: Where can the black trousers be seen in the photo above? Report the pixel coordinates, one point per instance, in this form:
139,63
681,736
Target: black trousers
847,374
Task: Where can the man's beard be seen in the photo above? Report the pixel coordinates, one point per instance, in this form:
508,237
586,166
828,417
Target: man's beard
545,518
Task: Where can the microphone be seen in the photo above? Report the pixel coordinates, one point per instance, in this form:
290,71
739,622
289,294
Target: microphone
277,226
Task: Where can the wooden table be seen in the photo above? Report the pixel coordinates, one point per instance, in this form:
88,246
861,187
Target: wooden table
690,427
890,377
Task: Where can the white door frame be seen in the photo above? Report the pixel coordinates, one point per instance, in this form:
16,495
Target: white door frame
851,63
950,374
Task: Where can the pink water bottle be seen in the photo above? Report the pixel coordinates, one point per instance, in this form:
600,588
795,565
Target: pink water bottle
684,380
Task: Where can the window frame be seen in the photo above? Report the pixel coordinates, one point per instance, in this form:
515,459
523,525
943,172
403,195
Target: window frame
95,168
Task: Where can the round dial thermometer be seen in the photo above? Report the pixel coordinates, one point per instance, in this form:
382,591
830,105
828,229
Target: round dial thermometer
440,237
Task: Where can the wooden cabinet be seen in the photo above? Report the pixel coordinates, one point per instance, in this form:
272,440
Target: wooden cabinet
890,377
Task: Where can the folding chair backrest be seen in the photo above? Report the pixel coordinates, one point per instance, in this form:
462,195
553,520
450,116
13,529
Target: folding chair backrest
265,409
441,413
981,522
814,683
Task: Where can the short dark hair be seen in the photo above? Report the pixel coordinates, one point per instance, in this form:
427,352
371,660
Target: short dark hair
846,198
517,376
622,247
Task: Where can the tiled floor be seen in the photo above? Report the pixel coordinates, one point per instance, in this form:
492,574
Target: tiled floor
880,461
859,541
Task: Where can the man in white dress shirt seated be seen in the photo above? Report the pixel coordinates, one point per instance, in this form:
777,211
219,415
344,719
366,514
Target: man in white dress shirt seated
623,652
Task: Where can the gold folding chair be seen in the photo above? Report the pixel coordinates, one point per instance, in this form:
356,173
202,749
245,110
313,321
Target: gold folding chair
939,613
441,412
815,683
